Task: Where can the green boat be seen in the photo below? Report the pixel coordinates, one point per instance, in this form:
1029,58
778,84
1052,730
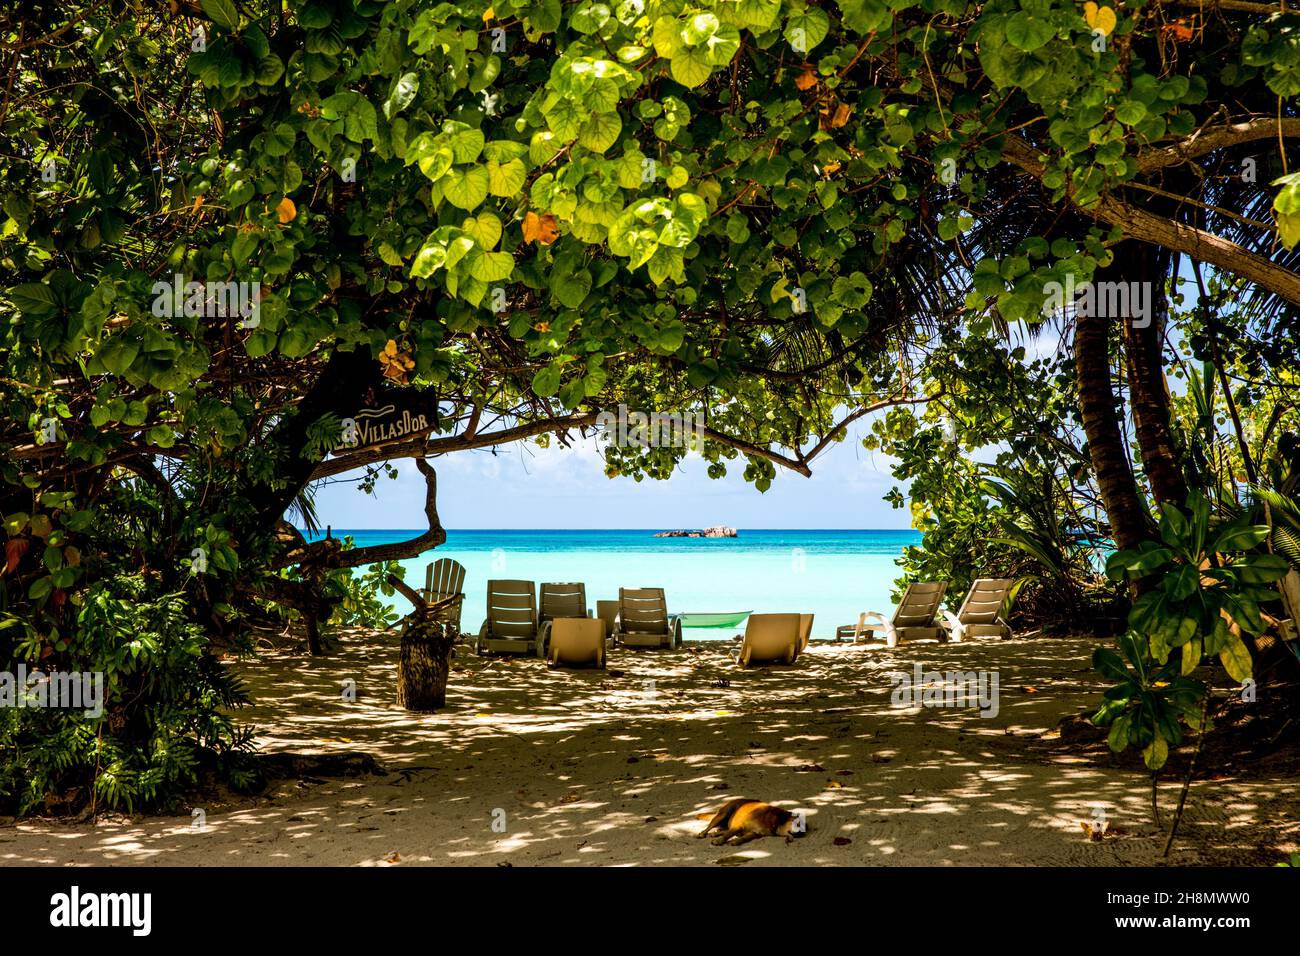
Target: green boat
715,619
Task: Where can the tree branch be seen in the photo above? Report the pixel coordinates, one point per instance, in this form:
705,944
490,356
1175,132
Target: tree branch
1217,137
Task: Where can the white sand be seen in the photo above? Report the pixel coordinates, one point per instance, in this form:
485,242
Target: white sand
585,767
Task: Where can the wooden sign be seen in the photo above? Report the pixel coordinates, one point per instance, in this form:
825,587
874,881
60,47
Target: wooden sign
387,417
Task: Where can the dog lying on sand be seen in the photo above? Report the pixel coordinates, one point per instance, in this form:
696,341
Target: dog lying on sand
742,820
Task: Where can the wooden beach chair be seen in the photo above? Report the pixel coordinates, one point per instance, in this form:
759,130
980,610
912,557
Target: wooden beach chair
511,626
913,620
981,613
556,601
644,621
444,578
576,642
773,639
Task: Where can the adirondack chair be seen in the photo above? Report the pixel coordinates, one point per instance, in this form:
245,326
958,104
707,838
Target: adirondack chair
443,579
913,619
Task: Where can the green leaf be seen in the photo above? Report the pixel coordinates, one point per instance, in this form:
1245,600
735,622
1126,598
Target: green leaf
755,15
807,28
35,299
1027,31
491,266
691,67
221,12
485,228
428,260
547,381
572,289
1236,659
404,91
506,180
466,186
1239,537
1156,753
600,132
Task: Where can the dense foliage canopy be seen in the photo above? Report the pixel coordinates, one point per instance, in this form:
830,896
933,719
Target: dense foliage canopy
227,227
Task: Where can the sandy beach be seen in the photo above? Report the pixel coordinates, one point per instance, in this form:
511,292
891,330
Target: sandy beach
529,766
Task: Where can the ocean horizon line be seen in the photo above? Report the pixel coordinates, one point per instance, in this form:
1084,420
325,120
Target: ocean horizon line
654,529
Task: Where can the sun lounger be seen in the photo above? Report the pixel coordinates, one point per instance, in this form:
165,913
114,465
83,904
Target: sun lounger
556,601
773,639
981,613
913,619
805,631
644,621
511,626
576,642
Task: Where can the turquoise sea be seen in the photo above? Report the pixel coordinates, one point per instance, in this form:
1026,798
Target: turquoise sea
834,574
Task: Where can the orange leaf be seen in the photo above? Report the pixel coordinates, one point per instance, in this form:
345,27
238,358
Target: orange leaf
806,80
15,548
286,210
544,229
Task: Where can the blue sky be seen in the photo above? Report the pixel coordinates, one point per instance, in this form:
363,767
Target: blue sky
524,486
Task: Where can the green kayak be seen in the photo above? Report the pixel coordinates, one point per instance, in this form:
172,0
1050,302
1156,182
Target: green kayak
716,619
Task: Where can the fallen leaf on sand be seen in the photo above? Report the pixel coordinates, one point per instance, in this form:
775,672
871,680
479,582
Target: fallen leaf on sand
811,768
841,841
736,859
834,785
880,758
393,857
1028,690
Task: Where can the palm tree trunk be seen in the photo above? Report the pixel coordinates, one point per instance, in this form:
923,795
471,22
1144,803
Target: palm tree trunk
1148,388
1129,521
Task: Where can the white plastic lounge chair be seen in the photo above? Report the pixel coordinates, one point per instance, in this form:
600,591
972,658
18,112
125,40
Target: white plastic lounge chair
644,621
511,626
773,639
914,618
444,578
576,642
981,613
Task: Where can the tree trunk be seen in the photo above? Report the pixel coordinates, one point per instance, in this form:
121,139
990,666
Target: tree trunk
425,664
1129,521
430,633
339,390
1148,388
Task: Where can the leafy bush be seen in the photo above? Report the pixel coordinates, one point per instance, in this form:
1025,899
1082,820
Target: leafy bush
1204,588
